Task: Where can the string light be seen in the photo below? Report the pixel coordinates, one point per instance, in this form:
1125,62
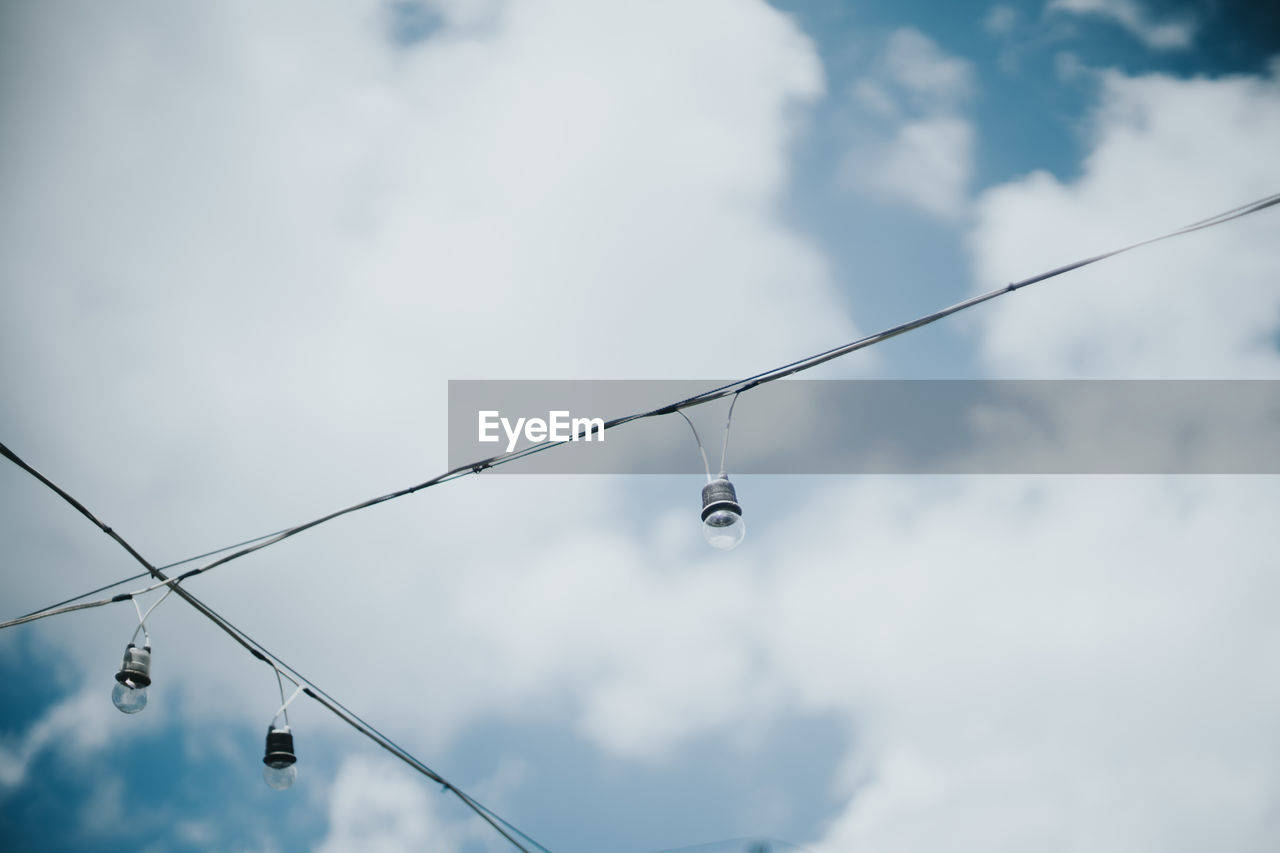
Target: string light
133,679
280,764
722,524
280,768
721,515
741,386
130,692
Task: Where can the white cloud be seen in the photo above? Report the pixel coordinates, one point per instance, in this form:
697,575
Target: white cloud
1071,663
1000,20
251,257
1165,152
927,164
1159,35
654,657
100,815
925,71
1068,67
380,807
197,833
268,253
82,723
912,144
1042,663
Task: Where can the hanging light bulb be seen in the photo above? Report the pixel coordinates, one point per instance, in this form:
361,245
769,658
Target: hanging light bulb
722,523
279,771
133,679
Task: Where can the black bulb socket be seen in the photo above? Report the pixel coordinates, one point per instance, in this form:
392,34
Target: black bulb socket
279,749
135,671
719,495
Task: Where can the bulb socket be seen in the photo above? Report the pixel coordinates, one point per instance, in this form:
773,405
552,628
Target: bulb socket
135,671
279,748
718,495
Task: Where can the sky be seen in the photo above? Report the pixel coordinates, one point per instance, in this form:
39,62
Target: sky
244,247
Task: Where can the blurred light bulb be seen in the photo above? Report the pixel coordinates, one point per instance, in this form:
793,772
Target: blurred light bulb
280,778
279,771
722,523
133,679
128,698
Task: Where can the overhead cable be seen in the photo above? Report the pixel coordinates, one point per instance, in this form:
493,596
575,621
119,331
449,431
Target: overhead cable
263,654
735,388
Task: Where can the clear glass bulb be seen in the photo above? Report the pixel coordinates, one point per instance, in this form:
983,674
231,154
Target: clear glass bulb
128,698
280,777
724,529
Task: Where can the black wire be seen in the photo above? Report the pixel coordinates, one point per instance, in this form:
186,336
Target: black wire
27,616
509,826
58,609
220,550
739,387
71,608
359,724
260,652
51,607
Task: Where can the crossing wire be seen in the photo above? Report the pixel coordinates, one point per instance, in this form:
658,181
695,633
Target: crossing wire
735,388
261,653
741,386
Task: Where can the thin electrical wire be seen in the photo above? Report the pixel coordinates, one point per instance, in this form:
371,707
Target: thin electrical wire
72,608
724,448
261,653
168,592
124,596
52,609
735,388
698,439
220,550
142,626
511,827
284,706
390,746
285,703
76,598
342,712
743,385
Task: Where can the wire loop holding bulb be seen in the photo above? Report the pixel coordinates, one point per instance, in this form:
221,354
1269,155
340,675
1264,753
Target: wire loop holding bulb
285,703
722,524
279,770
724,447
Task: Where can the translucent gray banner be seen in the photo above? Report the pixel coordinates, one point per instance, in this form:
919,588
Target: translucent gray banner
878,427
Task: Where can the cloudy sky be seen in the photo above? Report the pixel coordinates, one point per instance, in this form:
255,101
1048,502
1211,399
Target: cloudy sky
244,246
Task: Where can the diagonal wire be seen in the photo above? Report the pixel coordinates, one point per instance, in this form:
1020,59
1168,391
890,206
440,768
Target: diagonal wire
259,651
733,388
60,607
509,826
